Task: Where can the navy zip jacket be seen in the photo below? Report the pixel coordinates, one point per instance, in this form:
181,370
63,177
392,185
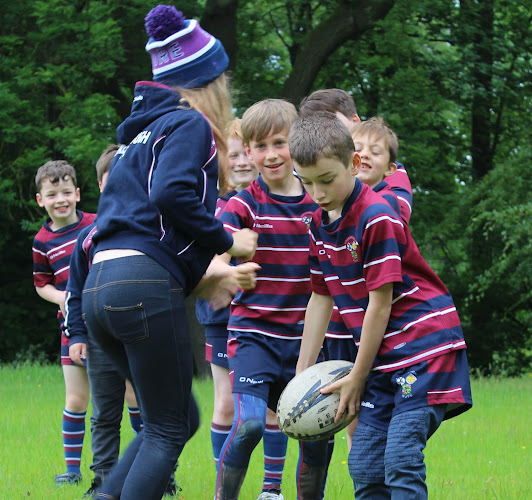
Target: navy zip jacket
162,187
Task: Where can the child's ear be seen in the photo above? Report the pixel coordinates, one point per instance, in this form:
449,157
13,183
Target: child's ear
38,197
356,163
392,168
248,152
78,195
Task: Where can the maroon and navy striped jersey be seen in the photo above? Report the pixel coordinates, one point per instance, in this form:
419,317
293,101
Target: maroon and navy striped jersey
366,248
52,251
397,192
276,307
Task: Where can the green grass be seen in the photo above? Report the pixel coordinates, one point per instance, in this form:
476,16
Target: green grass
483,454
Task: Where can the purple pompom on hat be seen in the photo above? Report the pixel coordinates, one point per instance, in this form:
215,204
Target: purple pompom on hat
182,53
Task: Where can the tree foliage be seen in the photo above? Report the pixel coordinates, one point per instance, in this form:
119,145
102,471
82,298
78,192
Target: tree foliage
451,78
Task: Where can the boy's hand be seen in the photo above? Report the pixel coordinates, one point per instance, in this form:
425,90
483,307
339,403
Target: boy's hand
351,391
78,352
245,275
217,285
244,244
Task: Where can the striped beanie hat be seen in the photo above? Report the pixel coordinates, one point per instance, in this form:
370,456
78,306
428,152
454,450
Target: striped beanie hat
182,53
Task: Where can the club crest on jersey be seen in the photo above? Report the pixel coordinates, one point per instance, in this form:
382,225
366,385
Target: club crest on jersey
352,245
406,384
307,218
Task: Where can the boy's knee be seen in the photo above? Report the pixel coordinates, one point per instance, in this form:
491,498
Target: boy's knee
248,434
366,458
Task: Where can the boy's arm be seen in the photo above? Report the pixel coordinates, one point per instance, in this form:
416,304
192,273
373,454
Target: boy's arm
74,325
317,317
50,293
374,325
221,281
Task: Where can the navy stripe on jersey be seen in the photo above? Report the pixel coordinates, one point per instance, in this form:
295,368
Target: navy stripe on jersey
276,307
366,248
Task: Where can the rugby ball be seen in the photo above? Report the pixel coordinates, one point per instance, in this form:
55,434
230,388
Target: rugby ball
303,412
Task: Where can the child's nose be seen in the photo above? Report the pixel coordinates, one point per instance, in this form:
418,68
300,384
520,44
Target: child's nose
271,153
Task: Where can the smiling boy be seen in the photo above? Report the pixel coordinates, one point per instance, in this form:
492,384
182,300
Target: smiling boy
58,194
411,370
266,319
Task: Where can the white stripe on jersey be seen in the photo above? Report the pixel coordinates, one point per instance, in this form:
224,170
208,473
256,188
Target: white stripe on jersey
404,294
380,261
421,319
383,217
281,278
240,200
419,357
52,250
283,249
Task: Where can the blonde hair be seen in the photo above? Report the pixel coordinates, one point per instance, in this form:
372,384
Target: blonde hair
377,127
269,115
214,102
234,130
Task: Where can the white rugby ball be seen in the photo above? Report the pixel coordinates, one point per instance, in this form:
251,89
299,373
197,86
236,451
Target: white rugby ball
303,412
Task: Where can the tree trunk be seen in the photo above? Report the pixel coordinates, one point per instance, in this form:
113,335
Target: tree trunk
220,19
349,21
478,17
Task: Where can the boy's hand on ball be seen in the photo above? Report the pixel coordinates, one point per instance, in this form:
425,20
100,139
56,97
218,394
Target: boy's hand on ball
350,396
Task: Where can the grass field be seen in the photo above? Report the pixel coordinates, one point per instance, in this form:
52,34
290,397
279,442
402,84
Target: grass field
483,454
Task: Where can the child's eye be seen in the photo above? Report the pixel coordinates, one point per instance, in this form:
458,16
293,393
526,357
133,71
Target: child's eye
328,181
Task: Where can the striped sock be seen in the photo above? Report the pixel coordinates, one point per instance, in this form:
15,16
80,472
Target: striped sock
135,419
275,443
219,434
73,434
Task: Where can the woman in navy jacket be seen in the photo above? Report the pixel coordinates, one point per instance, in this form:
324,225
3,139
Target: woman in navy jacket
156,237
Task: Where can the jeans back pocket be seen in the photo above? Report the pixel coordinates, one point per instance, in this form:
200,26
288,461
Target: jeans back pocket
128,324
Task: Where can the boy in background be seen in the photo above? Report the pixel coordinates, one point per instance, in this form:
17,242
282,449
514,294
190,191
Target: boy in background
58,194
266,320
410,372
397,191
107,386
341,104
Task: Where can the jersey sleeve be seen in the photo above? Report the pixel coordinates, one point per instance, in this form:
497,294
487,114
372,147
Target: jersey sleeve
238,214
401,188
42,271
383,239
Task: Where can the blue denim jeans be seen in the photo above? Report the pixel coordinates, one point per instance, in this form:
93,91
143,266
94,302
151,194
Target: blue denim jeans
107,386
390,465
135,311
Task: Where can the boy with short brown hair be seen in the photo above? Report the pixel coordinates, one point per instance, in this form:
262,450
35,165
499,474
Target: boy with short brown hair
58,194
411,371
